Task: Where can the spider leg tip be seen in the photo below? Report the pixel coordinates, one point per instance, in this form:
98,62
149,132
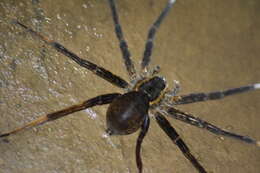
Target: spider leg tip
257,86
258,143
172,1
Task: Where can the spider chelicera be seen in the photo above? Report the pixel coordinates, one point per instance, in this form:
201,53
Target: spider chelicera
146,93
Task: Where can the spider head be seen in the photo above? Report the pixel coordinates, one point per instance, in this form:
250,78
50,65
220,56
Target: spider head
152,87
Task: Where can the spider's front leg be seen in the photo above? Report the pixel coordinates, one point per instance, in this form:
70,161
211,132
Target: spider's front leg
99,100
122,42
99,71
200,97
197,122
151,34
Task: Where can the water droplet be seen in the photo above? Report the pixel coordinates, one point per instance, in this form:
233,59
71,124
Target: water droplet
58,16
84,6
91,113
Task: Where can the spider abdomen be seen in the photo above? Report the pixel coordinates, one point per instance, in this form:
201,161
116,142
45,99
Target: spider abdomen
126,113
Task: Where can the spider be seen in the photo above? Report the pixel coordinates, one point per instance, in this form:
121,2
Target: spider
146,94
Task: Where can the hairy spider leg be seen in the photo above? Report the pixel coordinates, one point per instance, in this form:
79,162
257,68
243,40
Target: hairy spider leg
99,100
171,132
199,97
144,130
151,33
190,119
99,71
123,44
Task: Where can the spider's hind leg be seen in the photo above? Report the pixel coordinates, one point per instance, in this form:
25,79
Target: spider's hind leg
99,100
171,132
144,130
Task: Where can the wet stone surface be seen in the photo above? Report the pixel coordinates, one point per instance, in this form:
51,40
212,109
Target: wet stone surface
206,45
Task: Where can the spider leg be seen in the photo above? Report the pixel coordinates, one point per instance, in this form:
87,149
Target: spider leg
99,100
171,132
199,97
145,127
99,71
188,118
151,33
123,45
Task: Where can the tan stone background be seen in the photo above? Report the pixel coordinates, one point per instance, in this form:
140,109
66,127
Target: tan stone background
206,45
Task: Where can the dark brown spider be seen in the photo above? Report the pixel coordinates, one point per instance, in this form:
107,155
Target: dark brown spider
147,93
